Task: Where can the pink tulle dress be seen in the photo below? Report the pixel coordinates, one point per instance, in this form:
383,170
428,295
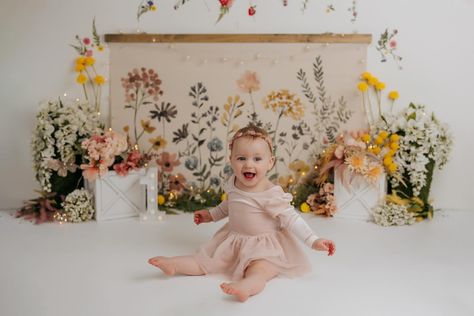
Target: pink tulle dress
254,231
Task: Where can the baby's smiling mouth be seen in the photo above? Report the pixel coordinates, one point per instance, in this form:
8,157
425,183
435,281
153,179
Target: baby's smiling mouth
249,175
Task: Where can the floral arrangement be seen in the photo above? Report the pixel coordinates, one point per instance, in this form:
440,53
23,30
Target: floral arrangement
390,214
424,143
60,128
77,207
225,5
107,151
356,154
87,75
144,7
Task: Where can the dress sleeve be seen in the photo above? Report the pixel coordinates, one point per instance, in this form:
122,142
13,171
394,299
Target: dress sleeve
278,206
220,211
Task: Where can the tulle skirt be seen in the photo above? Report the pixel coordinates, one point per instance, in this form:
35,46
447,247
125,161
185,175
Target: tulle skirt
230,253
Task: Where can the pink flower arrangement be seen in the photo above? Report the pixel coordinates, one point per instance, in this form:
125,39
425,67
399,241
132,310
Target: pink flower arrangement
109,151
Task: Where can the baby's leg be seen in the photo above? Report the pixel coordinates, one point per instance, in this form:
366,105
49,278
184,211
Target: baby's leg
257,274
182,265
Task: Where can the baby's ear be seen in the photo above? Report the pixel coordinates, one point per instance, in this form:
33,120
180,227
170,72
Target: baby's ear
272,162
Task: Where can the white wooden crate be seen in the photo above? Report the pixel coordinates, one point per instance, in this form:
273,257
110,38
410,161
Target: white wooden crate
118,196
356,199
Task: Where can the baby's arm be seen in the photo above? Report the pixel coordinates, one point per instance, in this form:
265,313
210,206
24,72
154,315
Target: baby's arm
214,214
297,225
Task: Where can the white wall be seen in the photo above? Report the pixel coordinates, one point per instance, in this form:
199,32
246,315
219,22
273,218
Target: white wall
435,40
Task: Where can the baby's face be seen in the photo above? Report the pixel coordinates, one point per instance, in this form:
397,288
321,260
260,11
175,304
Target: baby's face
251,159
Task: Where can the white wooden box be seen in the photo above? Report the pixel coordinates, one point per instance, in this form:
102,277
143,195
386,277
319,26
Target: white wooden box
118,196
356,199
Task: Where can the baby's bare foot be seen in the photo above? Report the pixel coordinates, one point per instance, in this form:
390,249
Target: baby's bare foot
237,290
165,264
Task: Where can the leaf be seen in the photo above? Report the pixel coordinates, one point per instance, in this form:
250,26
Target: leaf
95,36
201,142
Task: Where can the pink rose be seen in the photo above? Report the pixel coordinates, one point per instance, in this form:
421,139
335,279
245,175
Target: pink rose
86,41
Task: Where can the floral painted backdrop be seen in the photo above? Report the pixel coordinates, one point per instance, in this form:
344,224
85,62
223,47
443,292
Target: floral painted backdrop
182,103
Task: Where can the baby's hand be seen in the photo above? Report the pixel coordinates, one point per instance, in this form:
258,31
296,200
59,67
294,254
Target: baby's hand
325,245
202,216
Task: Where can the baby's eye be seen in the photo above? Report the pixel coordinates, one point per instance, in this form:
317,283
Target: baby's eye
240,158
258,158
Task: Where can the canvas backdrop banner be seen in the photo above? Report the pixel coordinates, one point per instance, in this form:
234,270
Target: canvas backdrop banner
184,101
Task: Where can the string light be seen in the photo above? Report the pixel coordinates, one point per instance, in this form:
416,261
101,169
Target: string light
65,94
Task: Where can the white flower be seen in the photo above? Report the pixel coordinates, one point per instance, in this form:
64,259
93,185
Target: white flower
60,127
78,206
422,139
389,214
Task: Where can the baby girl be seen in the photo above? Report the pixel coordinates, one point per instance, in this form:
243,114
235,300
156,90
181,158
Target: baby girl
257,243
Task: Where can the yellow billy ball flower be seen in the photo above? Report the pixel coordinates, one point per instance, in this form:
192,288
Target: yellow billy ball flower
153,8
380,86
392,152
362,86
393,95
392,167
394,146
394,138
90,61
79,67
366,138
224,196
372,81
304,207
376,150
81,79
81,60
99,80
383,134
378,140
366,75
161,199
387,161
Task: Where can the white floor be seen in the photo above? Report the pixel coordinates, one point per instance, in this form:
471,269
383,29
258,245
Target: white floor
100,269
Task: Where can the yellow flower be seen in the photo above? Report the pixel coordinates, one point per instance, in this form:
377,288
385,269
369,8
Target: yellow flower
380,86
394,138
387,161
100,48
99,80
362,86
80,60
383,134
376,150
366,75
224,196
147,127
81,79
378,140
285,103
153,8
372,81
304,207
158,142
89,61
285,181
161,199
366,138
392,167
79,67
393,95
394,146
374,171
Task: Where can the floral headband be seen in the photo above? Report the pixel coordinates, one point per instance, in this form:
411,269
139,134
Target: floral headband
253,134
